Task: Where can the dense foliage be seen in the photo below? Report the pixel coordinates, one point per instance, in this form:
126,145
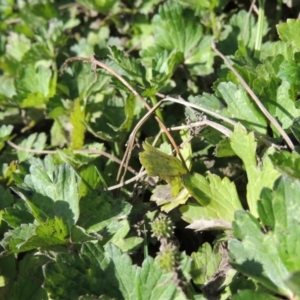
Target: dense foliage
149,149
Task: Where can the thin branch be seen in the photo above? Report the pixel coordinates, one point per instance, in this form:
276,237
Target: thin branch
255,99
94,62
84,151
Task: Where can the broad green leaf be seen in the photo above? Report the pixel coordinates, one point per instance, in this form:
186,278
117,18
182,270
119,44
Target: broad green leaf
5,131
289,71
287,163
224,149
17,45
257,295
145,282
244,145
130,65
293,282
241,108
270,49
98,211
118,238
34,141
77,120
33,86
162,195
163,65
51,190
81,80
109,273
218,198
287,31
283,206
176,28
28,237
165,166
238,30
17,215
205,263
256,254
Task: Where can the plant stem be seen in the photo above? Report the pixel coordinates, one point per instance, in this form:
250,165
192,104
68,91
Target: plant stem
260,28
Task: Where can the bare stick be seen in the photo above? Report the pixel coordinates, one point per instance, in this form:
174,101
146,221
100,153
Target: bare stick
95,62
256,100
84,151
205,122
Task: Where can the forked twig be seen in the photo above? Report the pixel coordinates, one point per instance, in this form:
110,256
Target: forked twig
84,151
95,62
255,99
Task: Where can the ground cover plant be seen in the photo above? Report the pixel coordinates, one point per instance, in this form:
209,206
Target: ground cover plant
149,149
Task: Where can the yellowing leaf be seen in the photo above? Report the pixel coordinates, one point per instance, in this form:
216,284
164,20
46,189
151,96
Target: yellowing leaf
165,166
77,119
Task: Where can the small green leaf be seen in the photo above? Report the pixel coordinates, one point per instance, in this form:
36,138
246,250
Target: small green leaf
241,108
257,295
28,237
51,191
176,28
34,141
289,71
33,86
98,211
5,131
165,166
287,31
256,254
27,285
283,207
204,264
287,163
244,146
218,198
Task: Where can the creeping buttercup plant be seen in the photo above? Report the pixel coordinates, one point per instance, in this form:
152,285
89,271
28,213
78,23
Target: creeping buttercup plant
149,150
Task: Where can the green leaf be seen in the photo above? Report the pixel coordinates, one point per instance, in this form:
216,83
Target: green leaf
289,71
176,28
286,32
283,206
33,86
244,146
98,211
109,273
293,282
17,46
241,108
27,285
257,295
165,166
51,191
34,141
218,198
130,65
5,131
287,163
28,237
77,121
205,263
256,254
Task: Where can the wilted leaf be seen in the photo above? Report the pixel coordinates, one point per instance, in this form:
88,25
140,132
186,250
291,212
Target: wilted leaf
165,166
